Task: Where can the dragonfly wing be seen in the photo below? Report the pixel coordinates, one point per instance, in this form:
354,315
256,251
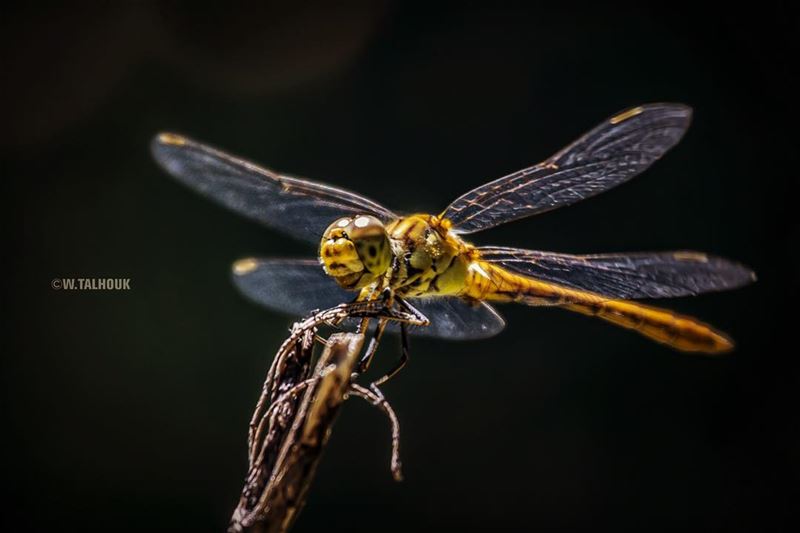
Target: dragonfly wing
299,286
453,318
610,154
298,207
292,286
626,276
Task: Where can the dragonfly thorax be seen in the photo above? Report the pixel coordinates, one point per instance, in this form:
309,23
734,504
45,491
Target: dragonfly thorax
429,261
355,251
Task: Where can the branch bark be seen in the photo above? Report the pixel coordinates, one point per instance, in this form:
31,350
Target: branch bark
286,481
295,412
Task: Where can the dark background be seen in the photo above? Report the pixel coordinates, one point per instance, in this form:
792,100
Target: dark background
129,410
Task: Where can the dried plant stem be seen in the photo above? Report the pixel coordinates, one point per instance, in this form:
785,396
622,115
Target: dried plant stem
376,398
295,412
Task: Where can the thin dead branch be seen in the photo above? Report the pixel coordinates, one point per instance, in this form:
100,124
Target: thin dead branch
295,412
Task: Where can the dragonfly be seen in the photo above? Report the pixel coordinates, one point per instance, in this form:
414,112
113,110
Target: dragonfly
366,249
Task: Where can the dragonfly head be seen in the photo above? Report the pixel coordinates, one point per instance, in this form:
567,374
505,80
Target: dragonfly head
355,251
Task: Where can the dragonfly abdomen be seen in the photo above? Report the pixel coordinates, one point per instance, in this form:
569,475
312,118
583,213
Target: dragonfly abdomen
487,281
661,325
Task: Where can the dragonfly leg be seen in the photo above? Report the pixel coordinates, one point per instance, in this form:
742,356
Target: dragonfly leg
366,360
400,364
411,316
386,299
415,316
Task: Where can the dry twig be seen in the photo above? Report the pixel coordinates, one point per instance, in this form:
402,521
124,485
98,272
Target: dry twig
294,414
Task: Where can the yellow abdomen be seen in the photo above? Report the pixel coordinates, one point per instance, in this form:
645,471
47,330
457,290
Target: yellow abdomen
486,281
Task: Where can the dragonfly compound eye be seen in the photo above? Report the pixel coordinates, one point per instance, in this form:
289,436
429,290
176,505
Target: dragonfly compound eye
355,251
372,244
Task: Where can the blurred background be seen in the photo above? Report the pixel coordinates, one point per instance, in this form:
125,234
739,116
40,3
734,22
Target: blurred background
128,411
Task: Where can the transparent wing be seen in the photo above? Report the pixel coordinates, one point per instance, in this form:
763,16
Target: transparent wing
291,286
454,319
612,153
299,286
298,207
626,276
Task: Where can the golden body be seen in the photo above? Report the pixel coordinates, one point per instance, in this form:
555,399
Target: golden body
422,256
418,257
